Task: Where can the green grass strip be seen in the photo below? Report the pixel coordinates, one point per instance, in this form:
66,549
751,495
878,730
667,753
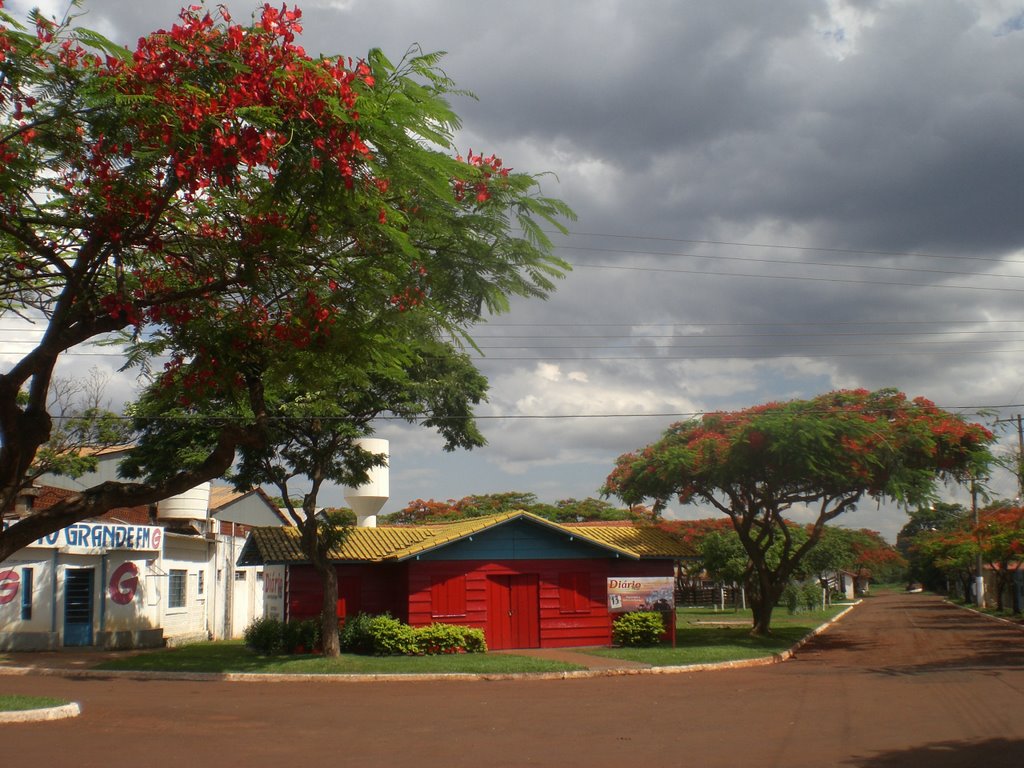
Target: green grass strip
15,703
707,636
233,656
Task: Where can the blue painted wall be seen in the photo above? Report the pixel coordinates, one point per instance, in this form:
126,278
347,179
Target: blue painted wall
518,540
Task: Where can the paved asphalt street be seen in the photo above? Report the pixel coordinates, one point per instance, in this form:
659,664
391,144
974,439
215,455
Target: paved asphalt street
902,680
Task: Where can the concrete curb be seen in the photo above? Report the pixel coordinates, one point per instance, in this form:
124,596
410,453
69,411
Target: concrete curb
1000,619
583,674
41,715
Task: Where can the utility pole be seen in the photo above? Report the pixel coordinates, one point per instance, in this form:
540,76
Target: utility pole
979,579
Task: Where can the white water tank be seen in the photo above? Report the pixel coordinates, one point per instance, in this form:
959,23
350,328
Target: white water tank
193,504
367,499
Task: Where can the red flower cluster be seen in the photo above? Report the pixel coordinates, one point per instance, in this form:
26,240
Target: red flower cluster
490,169
210,136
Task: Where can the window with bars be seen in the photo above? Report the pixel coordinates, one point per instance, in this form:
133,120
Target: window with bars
177,588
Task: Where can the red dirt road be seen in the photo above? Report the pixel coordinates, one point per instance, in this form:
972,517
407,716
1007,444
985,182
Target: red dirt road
903,680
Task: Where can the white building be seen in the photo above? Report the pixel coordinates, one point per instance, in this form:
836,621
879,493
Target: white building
138,577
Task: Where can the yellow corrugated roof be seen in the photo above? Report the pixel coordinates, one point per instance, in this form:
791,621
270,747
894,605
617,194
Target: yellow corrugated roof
386,543
645,542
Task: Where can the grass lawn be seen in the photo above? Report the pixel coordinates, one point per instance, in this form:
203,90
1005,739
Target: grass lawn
233,656
706,636
703,636
12,703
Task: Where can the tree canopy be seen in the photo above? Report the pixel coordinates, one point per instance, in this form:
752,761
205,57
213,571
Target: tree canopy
215,200
421,512
827,454
946,552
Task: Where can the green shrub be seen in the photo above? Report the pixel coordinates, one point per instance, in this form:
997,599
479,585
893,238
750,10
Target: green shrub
473,640
448,638
638,629
265,636
385,635
355,635
810,596
791,598
301,636
390,637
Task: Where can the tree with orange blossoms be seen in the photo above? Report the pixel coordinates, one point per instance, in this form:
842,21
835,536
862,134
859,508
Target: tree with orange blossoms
952,551
1000,536
874,557
217,199
827,454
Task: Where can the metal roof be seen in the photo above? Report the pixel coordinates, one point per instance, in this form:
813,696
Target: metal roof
397,543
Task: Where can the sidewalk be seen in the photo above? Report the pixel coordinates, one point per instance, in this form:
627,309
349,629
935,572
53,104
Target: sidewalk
87,658
72,658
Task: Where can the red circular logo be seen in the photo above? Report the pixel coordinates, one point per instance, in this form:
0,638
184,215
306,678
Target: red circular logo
8,586
124,583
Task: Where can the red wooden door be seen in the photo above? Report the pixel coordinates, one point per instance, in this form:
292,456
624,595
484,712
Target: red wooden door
513,611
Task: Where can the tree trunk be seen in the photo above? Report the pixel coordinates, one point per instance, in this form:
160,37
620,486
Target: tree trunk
317,554
762,617
329,611
764,594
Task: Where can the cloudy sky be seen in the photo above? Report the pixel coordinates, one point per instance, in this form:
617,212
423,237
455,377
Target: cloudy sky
774,200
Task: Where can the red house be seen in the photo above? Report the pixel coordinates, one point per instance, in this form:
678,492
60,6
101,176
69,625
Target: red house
524,580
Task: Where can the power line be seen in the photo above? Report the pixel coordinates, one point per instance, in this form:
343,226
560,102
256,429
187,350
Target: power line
806,278
755,260
788,247
962,409
800,323
782,337
658,358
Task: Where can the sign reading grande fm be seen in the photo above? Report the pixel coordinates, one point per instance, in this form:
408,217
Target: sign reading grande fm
138,538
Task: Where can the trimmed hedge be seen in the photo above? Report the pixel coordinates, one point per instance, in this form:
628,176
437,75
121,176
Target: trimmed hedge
385,635
638,629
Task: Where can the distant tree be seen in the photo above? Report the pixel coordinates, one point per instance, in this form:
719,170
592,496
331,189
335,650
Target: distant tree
723,558
833,552
918,541
420,512
827,453
423,512
874,557
950,553
587,510
496,503
1000,535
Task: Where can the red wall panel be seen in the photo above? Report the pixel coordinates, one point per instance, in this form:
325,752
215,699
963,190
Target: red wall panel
408,592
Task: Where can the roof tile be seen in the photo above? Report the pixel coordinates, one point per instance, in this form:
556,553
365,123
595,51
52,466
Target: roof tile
393,543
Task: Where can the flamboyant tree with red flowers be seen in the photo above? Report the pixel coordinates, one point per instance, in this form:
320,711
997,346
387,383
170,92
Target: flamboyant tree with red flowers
216,200
826,454
1000,537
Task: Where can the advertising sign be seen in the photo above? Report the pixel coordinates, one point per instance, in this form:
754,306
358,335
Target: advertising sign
640,593
140,538
273,592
